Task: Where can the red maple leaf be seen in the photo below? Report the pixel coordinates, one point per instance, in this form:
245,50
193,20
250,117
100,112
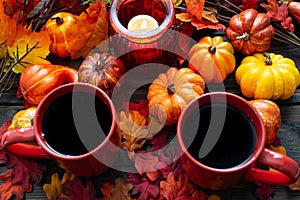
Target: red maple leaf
279,13
206,24
3,129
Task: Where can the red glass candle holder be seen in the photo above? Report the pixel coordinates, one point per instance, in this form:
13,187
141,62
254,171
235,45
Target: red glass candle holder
136,48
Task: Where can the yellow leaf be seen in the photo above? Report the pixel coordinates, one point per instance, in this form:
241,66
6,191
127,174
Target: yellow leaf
185,17
176,2
53,190
29,47
210,15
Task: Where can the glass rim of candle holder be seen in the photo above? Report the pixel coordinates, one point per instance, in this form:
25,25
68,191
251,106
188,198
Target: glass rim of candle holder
145,37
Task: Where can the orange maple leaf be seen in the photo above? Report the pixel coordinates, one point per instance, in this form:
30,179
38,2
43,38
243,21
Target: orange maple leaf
94,24
8,30
195,7
29,47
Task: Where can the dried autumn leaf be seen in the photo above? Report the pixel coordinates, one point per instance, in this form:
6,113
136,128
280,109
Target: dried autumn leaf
295,186
264,191
176,2
247,4
279,13
173,189
132,131
75,189
29,47
210,14
185,17
25,171
8,188
205,24
53,190
145,163
195,8
8,30
106,189
121,190
143,186
95,21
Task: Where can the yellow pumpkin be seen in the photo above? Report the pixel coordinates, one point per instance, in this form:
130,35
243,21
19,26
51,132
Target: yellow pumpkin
267,76
170,92
212,58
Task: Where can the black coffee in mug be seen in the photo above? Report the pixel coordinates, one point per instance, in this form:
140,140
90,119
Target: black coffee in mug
235,143
76,123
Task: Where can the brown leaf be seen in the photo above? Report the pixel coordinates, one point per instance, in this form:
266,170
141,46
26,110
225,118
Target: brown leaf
53,190
185,17
132,131
210,15
121,190
173,189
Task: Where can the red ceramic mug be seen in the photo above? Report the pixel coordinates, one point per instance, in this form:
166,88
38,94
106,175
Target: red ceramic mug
221,138
74,125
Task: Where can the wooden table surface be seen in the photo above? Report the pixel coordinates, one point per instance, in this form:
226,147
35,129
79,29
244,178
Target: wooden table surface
289,133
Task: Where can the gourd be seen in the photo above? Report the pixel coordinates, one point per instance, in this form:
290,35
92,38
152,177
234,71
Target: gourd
267,76
36,81
212,58
250,32
171,91
102,70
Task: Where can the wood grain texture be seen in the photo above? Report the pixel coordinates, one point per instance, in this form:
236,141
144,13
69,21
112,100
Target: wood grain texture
289,133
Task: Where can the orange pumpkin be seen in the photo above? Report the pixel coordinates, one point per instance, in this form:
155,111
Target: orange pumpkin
212,58
170,92
250,32
101,69
64,32
270,114
36,81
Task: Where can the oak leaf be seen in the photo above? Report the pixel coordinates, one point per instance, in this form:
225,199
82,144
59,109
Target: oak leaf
185,17
75,189
132,131
210,14
9,189
279,13
143,187
145,163
121,190
173,189
30,47
25,171
53,190
106,190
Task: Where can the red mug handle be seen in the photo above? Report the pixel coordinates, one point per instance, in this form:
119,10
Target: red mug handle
288,169
13,141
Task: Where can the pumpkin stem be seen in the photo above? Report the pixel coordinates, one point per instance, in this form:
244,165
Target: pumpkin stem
171,89
268,60
244,36
212,49
58,20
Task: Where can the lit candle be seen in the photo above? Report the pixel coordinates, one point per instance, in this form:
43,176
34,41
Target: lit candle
142,24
